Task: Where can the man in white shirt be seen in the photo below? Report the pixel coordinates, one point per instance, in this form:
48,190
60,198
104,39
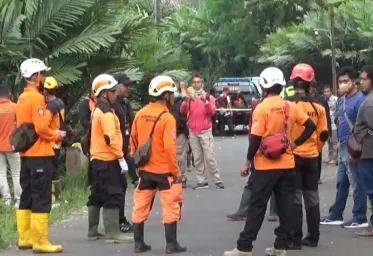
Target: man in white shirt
332,143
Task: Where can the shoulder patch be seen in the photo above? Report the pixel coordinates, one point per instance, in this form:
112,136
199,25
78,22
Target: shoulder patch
173,133
41,112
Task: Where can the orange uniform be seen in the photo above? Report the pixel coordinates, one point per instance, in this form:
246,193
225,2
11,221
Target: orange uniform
317,114
163,159
7,124
157,173
268,120
106,137
31,109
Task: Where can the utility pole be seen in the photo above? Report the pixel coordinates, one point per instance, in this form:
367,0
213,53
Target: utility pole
157,11
332,42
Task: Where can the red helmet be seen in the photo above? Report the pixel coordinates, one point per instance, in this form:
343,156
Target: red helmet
304,72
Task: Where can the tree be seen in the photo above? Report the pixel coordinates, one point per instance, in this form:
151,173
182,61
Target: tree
224,38
353,35
78,39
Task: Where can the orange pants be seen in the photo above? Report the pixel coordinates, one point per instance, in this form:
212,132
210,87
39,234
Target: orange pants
170,193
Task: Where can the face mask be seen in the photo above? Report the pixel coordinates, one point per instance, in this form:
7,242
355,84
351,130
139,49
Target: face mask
177,95
345,87
199,92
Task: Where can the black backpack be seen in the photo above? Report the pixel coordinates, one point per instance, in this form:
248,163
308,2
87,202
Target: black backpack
23,137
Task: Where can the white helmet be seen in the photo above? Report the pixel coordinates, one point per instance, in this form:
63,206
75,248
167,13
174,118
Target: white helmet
161,84
103,82
270,77
32,66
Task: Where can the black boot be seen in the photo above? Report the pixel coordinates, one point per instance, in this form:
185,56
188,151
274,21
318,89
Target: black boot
140,245
241,213
171,239
310,241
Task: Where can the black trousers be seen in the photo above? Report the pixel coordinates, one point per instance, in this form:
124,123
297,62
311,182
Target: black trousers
213,121
106,188
132,170
307,188
89,176
249,185
56,174
123,181
226,120
319,167
36,183
130,161
282,184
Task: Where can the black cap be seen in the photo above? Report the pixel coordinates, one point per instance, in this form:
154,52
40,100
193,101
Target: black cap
123,79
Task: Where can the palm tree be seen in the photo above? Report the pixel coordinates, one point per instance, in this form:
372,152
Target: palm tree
78,39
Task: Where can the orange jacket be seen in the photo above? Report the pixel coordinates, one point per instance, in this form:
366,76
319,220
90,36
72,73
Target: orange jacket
268,120
7,124
310,148
163,159
106,137
31,109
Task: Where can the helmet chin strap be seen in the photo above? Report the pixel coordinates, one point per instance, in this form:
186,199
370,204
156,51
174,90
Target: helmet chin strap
34,83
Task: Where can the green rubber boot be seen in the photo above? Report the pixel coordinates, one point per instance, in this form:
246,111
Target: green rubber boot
112,231
93,222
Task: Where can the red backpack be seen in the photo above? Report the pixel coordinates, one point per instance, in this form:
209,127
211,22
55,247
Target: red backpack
274,146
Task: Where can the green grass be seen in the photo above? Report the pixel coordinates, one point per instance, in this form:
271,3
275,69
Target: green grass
74,193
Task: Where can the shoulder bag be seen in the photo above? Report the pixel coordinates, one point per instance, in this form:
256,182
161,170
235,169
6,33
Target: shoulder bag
273,147
144,152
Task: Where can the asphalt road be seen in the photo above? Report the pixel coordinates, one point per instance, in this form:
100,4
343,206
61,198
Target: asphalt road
204,228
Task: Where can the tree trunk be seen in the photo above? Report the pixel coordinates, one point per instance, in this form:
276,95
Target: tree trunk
157,11
332,42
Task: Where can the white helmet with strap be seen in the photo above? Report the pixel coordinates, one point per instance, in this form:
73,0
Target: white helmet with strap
161,84
270,77
103,82
32,66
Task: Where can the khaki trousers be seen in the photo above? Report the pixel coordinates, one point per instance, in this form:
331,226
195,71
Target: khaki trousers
14,162
204,156
182,154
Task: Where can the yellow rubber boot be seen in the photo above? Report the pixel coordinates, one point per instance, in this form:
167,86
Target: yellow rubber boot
24,228
39,231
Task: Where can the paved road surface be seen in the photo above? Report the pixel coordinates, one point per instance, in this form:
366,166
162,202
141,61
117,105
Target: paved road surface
204,228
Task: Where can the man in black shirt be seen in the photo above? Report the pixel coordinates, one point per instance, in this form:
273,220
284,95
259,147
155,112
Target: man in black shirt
125,114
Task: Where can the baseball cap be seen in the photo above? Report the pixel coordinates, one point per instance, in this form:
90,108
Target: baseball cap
123,79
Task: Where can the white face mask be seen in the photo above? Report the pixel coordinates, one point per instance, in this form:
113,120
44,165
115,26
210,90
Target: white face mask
345,87
198,92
